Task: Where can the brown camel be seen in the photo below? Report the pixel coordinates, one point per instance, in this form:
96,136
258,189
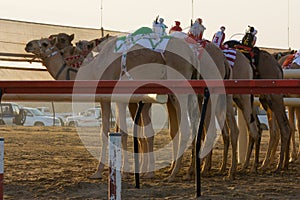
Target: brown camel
292,111
268,68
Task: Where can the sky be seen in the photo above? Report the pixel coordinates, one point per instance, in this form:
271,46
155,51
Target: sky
275,20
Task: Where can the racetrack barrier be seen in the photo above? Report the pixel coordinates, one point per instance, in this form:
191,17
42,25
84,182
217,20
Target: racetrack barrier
115,162
276,86
1,167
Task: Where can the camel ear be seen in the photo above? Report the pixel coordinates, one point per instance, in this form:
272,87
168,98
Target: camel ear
71,37
91,45
53,41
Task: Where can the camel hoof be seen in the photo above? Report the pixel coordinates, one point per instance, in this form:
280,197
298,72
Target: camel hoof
263,168
187,177
96,175
126,175
148,175
170,179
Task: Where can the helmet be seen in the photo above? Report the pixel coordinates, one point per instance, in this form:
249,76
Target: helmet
222,28
251,29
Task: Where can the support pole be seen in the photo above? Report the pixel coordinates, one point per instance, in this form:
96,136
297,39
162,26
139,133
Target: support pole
136,145
198,142
1,166
115,162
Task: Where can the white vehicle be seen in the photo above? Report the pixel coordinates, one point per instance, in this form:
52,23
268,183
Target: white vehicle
61,116
90,117
35,117
11,114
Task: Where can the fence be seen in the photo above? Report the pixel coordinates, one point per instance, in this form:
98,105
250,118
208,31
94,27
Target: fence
159,87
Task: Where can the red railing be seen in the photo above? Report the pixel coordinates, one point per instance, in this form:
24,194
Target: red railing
151,86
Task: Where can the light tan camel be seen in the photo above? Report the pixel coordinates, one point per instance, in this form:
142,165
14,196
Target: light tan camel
52,59
292,111
109,74
240,70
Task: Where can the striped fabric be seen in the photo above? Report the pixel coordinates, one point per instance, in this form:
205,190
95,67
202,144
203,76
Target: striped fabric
230,55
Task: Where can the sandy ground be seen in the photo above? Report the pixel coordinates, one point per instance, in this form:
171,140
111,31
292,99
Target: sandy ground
52,163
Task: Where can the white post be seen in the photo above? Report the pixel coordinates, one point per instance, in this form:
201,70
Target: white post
115,160
1,166
243,139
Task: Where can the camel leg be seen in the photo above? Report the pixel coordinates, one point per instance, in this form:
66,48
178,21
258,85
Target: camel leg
184,135
298,129
291,113
226,141
273,142
105,111
234,133
148,164
194,114
173,126
121,122
278,107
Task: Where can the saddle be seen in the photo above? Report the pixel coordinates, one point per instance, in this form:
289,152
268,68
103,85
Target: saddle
251,53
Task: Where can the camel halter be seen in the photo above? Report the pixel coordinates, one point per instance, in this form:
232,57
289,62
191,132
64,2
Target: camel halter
50,49
53,53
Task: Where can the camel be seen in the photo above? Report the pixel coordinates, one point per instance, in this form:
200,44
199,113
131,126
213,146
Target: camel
244,103
292,111
240,70
52,59
184,51
62,40
268,68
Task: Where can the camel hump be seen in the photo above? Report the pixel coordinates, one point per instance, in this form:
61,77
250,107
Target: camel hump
142,30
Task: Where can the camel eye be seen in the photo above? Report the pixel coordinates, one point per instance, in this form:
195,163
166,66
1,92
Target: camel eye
44,44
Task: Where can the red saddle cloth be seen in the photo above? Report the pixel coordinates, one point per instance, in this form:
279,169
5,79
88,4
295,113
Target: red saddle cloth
245,49
289,59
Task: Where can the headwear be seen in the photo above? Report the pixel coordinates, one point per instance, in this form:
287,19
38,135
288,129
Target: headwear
251,29
177,23
254,32
199,20
222,28
161,20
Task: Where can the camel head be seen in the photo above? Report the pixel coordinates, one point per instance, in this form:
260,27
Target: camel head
62,40
42,48
70,51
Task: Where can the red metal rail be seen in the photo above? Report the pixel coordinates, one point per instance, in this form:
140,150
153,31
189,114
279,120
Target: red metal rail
150,86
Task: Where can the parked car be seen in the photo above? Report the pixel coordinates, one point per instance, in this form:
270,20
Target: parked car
61,116
35,117
11,114
92,117
89,117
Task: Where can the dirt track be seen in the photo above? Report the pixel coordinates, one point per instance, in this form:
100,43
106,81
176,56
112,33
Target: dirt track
52,163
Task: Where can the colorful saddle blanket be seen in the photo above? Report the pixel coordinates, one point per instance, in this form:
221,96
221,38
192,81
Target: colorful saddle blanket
144,37
230,55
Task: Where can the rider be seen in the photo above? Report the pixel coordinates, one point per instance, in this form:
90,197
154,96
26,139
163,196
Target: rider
196,30
248,43
159,27
176,27
219,37
249,38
